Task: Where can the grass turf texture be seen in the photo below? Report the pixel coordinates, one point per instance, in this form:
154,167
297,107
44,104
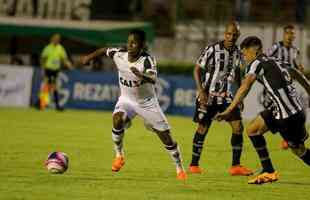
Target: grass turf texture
27,136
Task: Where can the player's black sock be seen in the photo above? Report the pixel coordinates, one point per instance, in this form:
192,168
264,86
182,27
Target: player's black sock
236,143
197,148
259,143
306,157
56,99
117,137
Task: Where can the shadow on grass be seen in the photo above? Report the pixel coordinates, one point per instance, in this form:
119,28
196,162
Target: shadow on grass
293,183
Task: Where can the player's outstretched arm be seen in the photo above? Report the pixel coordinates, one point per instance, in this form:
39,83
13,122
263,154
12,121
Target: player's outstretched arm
240,95
244,89
149,77
93,55
297,75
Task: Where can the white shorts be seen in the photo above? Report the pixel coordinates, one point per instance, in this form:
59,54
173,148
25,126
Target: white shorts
150,112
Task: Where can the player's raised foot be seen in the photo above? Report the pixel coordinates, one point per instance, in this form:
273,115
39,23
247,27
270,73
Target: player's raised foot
181,175
195,169
264,178
118,163
239,170
284,144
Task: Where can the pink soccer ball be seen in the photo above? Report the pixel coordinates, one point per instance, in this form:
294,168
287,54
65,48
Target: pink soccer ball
57,162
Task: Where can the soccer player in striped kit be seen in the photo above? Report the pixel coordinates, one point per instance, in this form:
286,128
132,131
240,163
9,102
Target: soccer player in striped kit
287,117
286,52
216,70
137,76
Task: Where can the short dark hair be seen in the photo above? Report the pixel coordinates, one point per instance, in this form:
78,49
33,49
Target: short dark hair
251,41
140,33
289,26
233,23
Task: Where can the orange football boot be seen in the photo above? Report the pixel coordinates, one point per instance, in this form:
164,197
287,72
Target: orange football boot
118,163
264,178
181,175
195,169
239,170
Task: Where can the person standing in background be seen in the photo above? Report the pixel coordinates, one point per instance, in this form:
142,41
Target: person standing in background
287,53
53,57
216,70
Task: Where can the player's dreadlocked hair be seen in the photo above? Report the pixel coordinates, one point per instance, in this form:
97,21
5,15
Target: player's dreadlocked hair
251,41
140,35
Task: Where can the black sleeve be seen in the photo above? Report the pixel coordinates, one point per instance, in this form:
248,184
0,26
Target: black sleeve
149,64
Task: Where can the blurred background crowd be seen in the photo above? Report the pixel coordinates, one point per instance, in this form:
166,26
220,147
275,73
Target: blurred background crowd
177,29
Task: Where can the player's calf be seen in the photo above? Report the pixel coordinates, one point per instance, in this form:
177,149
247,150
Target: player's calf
174,151
302,152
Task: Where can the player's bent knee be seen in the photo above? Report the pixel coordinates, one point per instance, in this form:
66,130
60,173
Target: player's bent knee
165,136
252,130
161,131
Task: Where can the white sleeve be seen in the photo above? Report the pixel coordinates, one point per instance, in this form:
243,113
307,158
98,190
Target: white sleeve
111,51
271,52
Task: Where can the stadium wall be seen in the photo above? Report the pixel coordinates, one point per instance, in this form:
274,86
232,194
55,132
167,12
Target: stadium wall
191,38
98,90
15,85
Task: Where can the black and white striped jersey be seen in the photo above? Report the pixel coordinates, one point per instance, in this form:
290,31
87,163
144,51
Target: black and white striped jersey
288,55
219,71
277,82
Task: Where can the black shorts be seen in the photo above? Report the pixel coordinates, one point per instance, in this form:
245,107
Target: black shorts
51,75
292,129
205,116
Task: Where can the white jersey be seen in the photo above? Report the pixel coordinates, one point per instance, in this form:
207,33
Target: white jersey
131,86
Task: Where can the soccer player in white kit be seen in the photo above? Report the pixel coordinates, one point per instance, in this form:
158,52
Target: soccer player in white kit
137,76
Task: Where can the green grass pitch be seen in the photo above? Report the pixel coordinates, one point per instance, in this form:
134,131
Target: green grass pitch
28,135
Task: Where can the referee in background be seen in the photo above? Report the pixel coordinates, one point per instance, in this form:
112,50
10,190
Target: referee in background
53,57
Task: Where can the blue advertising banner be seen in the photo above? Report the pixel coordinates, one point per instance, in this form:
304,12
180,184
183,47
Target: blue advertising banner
176,94
99,90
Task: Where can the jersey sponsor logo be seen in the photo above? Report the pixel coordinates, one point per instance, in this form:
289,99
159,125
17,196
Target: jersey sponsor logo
130,83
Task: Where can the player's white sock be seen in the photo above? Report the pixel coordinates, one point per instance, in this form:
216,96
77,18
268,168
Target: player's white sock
175,154
117,137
